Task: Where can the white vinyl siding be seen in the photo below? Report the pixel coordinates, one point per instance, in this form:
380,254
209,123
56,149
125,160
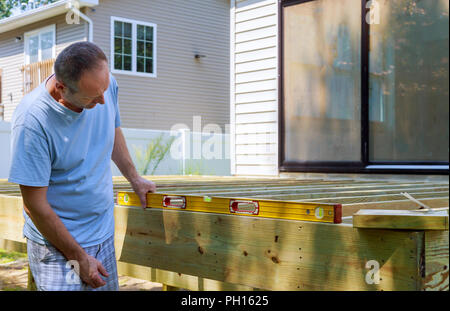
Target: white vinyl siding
254,87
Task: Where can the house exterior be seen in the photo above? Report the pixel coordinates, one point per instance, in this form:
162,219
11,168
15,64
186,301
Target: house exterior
352,86
170,58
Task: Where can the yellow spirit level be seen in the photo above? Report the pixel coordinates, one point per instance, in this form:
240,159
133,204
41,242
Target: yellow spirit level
319,212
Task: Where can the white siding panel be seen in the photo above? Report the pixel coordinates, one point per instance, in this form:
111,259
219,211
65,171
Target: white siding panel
258,170
256,34
255,13
256,149
255,55
256,117
256,65
255,75
262,138
256,23
256,128
256,159
255,82
256,44
256,107
256,86
252,4
256,97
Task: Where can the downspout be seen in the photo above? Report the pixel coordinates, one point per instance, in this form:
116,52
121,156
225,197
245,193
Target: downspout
75,9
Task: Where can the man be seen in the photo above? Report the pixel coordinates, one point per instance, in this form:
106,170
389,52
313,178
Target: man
64,135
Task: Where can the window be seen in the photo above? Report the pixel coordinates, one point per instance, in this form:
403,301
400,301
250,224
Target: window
356,97
40,45
133,47
409,78
322,81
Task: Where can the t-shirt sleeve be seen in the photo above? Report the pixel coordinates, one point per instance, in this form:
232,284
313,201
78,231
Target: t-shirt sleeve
30,158
116,101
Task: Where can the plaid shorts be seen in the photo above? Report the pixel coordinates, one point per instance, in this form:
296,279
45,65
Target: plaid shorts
53,272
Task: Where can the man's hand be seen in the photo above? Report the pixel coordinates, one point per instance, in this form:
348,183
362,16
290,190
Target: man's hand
121,157
141,187
89,271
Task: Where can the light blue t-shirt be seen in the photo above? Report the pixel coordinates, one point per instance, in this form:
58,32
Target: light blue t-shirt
70,153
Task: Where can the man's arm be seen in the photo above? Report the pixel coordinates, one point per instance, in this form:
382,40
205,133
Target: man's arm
50,225
122,159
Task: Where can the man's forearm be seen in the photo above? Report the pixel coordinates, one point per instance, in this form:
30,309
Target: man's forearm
122,158
51,226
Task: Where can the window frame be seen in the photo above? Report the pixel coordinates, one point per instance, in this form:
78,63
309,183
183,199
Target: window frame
38,32
365,165
134,24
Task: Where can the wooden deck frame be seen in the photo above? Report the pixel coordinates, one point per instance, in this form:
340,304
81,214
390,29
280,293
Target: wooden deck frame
205,251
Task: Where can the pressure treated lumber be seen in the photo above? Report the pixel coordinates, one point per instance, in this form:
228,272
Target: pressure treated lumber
436,261
267,253
401,219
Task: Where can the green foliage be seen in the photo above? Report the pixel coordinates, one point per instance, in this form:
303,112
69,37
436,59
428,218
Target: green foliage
195,167
6,256
7,6
149,159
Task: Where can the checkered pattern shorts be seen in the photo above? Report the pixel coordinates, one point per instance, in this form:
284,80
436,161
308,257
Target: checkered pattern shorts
52,272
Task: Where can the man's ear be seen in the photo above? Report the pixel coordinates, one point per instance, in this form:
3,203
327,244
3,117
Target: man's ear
60,86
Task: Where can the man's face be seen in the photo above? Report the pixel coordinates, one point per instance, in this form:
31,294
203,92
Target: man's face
92,85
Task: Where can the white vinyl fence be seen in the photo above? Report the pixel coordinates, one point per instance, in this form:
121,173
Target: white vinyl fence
189,153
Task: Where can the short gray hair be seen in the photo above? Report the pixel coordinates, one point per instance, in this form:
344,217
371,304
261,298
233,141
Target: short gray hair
74,60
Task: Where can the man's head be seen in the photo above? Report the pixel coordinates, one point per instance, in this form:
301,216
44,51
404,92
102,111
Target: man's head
82,75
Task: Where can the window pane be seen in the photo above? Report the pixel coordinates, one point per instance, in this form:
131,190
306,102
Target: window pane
118,61
140,32
140,48
47,40
149,49
127,30
118,45
118,29
149,33
33,48
46,54
148,65
140,64
127,63
409,81
127,46
322,81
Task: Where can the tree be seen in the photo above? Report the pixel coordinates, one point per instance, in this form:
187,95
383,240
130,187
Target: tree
7,7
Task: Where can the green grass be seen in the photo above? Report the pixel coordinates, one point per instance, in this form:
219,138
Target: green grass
6,256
